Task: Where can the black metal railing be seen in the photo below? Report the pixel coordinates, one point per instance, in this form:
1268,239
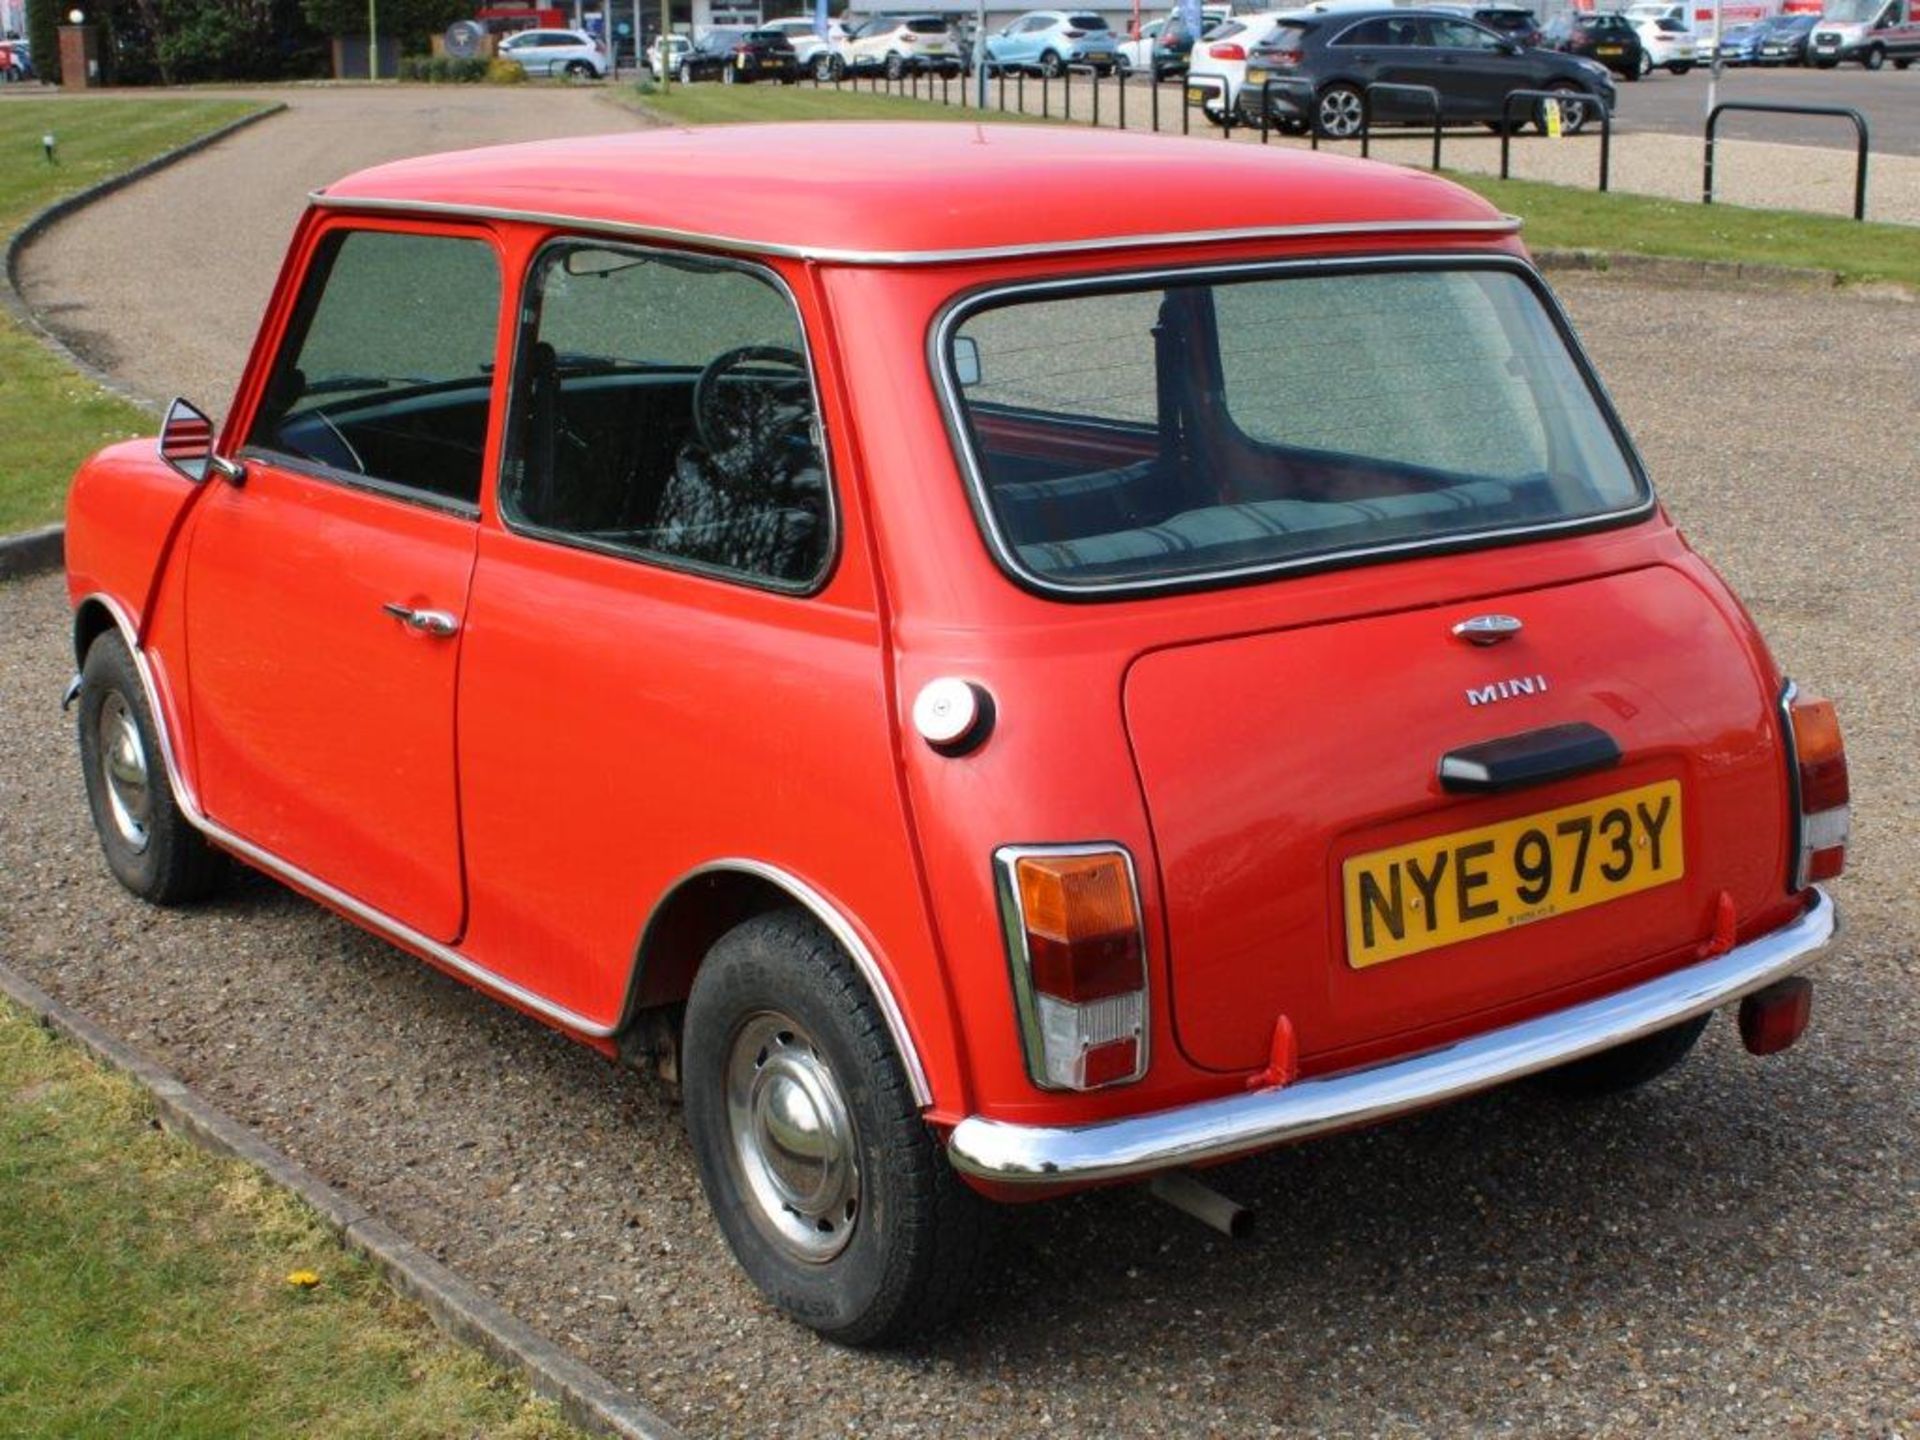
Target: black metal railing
1427,92
1562,98
1297,83
1838,112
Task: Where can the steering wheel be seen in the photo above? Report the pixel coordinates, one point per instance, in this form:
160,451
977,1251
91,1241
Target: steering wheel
709,421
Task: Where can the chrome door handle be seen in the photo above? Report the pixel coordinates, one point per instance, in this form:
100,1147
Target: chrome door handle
427,622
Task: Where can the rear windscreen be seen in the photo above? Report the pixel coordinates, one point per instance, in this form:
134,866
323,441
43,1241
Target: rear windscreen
1086,22
1173,431
927,26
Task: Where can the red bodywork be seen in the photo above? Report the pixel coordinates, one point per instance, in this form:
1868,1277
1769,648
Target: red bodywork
527,798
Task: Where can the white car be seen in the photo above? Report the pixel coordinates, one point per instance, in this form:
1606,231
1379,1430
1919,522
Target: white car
571,53
897,45
1136,55
808,47
1218,67
1665,44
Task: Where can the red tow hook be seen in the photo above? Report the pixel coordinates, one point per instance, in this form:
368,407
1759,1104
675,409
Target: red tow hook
1283,1060
1773,1018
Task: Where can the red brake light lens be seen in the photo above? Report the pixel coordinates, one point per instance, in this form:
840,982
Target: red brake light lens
1288,58
1227,52
1820,759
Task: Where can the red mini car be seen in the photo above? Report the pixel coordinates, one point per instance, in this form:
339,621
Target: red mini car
993,697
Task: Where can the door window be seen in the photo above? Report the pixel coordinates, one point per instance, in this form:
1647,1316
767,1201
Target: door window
1459,35
384,377
664,408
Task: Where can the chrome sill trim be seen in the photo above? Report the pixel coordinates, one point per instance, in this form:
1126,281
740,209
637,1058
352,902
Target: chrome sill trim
377,205
1047,1156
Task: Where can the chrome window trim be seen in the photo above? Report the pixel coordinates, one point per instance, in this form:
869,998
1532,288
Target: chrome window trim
829,255
960,431
1013,931
394,490
383,924
830,559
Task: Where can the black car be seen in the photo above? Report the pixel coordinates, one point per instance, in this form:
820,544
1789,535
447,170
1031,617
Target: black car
1341,54
1610,40
740,57
1517,24
1173,45
1784,40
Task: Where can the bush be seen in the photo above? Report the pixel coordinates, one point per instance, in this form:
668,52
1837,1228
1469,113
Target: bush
505,72
442,69
43,34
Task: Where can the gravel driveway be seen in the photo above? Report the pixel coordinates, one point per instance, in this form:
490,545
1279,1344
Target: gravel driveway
1735,1250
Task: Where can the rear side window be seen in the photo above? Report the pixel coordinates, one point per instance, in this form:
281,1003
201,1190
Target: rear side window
385,373
1134,437
663,408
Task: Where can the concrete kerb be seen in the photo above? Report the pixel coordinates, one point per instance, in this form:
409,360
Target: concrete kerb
586,1398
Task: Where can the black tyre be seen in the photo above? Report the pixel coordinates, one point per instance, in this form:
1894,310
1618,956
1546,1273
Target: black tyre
1627,1066
686,73
834,1195
896,67
149,845
1573,114
1874,58
579,70
1340,112
1643,67
1680,69
729,76
1052,66
1901,64
826,68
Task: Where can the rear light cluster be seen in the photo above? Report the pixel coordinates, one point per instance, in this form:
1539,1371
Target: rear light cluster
1819,780
1227,52
1079,959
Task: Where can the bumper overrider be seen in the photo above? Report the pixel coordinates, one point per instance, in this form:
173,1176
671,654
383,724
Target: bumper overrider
1054,1156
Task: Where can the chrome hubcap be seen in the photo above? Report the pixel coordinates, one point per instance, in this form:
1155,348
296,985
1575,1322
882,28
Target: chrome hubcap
1340,113
794,1139
123,768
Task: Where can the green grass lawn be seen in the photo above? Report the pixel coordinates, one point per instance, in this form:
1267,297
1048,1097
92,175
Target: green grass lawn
52,418
1560,217
144,1289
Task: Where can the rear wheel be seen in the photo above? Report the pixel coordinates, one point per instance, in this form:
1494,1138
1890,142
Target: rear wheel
1643,67
729,76
1680,69
836,1198
1052,66
149,844
1901,64
686,73
1340,113
1627,1066
828,68
579,70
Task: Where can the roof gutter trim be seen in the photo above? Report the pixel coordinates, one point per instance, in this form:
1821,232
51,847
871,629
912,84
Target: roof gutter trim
1503,225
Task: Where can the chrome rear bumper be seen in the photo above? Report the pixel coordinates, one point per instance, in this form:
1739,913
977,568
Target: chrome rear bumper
1047,1156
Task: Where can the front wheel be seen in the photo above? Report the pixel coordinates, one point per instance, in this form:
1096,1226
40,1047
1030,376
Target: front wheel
729,76
580,70
1625,1067
1573,113
1340,113
686,73
1874,58
149,844
828,68
831,1190
896,67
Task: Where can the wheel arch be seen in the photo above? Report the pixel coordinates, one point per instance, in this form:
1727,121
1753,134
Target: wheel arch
92,618
710,900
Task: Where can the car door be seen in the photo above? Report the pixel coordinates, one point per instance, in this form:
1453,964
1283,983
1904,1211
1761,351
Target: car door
644,620
1474,71
326,593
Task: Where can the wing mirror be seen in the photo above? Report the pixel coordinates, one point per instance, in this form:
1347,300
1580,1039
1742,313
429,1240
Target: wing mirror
966,360
1512,47
186,444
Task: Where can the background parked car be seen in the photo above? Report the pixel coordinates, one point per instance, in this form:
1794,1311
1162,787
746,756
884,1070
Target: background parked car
1783,39
572,53
898,45
740,57
674,48
1869,31
1665,44
808,45
1473,68
16,60
1050,40
1609,39
1173,46
1514,22
1740,44
1136,54
1218,67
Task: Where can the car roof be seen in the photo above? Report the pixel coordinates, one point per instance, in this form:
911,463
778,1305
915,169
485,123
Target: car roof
855,192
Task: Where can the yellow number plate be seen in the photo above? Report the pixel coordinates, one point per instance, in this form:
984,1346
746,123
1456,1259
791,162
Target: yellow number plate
1471,883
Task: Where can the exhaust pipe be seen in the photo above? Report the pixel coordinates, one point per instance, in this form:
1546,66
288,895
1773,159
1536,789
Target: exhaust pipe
1183,1190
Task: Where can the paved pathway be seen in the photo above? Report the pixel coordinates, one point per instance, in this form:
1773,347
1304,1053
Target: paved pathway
191,254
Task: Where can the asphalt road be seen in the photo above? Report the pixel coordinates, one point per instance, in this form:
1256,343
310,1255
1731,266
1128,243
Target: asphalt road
1677,105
